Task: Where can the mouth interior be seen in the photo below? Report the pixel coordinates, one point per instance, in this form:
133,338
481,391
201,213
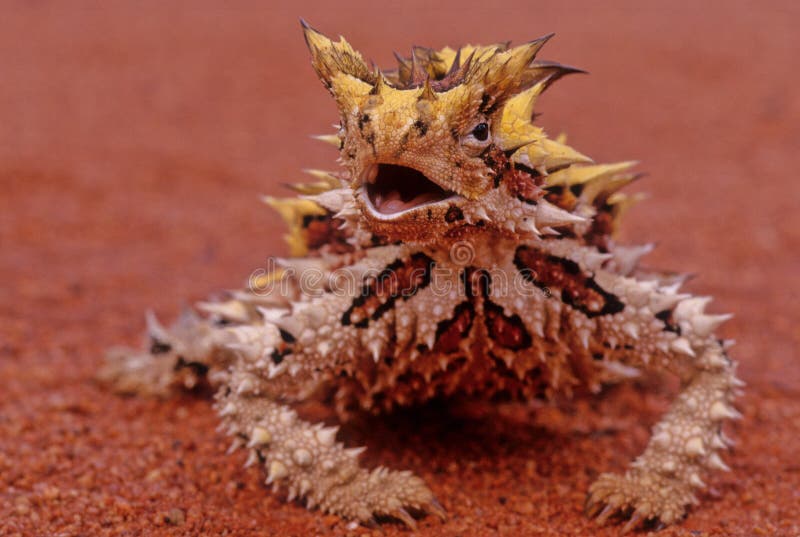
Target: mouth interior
398,188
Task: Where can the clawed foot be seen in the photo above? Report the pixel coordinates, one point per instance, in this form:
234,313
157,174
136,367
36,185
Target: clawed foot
383,493
639,497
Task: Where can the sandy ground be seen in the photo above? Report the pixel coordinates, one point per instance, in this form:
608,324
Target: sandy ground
135,139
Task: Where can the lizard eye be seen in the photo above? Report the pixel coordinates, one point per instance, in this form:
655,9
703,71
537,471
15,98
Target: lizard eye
477,139
481,132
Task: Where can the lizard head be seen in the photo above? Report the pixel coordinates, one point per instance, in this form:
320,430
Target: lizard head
444,145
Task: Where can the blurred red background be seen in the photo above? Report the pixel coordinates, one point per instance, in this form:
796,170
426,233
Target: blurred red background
135,139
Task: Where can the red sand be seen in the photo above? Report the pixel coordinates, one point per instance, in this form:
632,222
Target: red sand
135,139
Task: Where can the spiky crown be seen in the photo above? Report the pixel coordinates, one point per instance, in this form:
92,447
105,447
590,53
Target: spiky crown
495,72
457,124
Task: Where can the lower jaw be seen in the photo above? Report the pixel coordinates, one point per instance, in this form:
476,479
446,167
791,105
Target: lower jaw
425,225
411,212
410,231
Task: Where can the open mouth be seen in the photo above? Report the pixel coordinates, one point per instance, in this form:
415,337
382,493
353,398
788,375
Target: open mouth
392,189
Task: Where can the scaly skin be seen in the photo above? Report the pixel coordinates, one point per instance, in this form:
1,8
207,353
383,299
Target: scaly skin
459,252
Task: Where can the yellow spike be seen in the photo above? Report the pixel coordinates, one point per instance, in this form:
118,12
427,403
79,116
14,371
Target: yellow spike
332,139
562,155
521,56
562,138
620,181
381,85
331,59
322,175
263,281
293,210
545,154
327,181
427,93
501,72
326,177
309,189
315,38
575,175
605,186
516,129
516,133
340,68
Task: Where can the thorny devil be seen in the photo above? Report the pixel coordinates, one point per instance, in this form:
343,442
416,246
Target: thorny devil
461,252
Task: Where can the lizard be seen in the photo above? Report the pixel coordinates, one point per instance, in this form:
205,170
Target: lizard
458,251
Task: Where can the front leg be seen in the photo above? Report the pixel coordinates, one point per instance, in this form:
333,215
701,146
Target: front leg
659,485
307,462
303,458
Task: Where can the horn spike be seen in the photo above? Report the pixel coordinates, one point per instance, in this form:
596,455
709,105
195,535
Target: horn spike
502,73
403,69
547,72
561,67
401,62
427,93
330,139
418,72
331,59
306,27
458,71
540,41
380,83
456,63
